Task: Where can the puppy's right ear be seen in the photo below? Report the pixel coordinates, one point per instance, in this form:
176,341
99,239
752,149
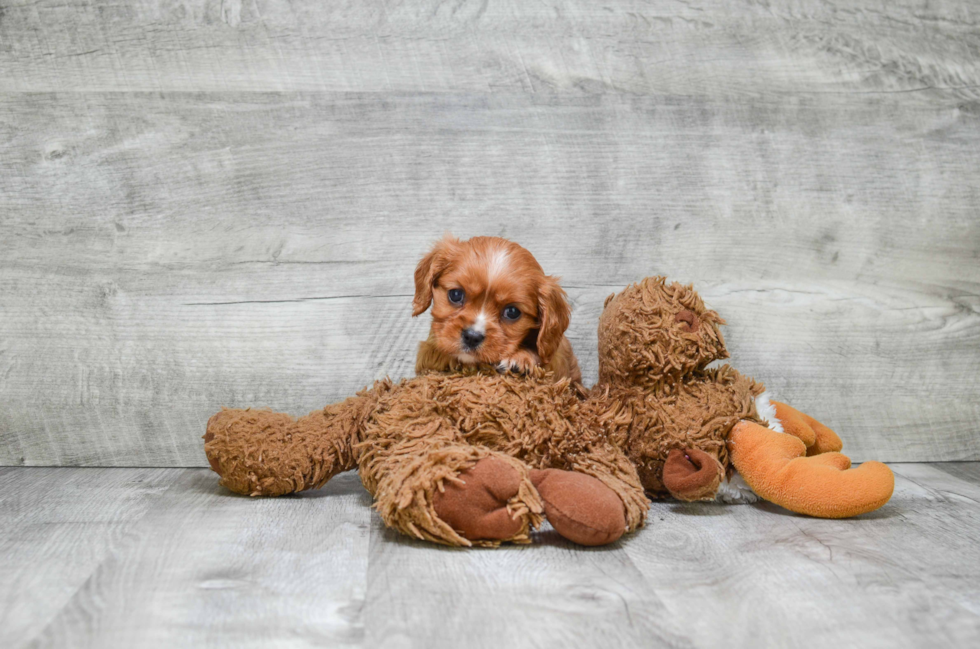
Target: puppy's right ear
428,270
553,316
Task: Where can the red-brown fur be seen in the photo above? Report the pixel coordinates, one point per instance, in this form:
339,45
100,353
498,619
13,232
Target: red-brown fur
494,273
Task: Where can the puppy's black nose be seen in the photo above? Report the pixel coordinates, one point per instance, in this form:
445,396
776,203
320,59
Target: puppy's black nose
472,338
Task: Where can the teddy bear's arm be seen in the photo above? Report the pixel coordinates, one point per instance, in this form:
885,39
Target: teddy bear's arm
265,453
691,474
777,468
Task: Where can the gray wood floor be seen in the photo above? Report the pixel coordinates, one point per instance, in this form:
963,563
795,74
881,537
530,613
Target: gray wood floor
164,557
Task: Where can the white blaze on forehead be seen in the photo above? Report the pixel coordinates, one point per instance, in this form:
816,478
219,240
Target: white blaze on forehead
497,265
481,323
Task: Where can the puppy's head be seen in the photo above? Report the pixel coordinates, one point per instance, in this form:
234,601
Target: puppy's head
490,299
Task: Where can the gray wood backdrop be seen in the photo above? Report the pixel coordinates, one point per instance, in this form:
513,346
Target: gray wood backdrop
221,203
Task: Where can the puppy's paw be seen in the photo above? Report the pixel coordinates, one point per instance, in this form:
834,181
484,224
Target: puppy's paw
521,362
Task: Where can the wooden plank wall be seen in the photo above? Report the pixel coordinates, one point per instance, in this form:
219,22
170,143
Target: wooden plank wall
207,204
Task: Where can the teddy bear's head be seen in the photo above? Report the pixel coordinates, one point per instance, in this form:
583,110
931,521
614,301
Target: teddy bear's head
653,330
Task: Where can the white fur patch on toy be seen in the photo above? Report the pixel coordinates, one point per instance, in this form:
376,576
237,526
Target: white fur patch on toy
735,491
767,411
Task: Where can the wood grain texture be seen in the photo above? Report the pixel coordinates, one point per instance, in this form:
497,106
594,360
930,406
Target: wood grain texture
162,261
138,557
57,527
969,471
200,567
206,205
552,594
906,575
677,47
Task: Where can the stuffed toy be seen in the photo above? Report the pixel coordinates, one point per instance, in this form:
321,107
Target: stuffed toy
687,428
477,457
460,458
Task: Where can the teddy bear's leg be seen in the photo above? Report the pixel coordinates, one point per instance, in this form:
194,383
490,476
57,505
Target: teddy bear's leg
265,453
777,468
692,474
580,507
817,437
595,497
453,493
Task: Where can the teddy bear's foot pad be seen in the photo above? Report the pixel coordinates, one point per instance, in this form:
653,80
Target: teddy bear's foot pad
691,474
580,507
476,505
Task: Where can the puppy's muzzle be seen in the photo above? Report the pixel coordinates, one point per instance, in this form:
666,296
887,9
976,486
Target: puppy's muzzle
471,338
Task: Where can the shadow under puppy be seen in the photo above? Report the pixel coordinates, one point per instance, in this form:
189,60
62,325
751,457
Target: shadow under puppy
468,452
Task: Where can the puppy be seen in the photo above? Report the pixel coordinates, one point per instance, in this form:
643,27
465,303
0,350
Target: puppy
491,304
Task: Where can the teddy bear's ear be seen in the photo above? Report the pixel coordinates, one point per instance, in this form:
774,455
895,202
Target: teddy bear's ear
428,270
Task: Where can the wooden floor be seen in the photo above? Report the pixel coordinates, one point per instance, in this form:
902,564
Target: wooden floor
164,557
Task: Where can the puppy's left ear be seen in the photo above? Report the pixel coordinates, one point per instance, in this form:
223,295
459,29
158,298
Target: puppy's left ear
553,315
428,270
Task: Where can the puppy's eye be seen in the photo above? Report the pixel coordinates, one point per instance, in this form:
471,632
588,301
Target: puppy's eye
511,312
456,295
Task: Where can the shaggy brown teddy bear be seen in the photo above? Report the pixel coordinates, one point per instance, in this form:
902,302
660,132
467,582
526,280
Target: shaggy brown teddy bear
459,458
686,428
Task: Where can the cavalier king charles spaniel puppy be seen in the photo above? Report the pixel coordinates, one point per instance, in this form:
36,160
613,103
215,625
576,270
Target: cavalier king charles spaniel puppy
491,304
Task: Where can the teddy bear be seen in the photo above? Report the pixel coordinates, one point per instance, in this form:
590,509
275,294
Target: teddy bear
465,457
687,428
473,456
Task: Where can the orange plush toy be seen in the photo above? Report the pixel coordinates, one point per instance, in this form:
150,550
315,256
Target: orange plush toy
687,429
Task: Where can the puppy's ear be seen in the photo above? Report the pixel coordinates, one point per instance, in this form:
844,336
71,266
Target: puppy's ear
553,315
428,270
